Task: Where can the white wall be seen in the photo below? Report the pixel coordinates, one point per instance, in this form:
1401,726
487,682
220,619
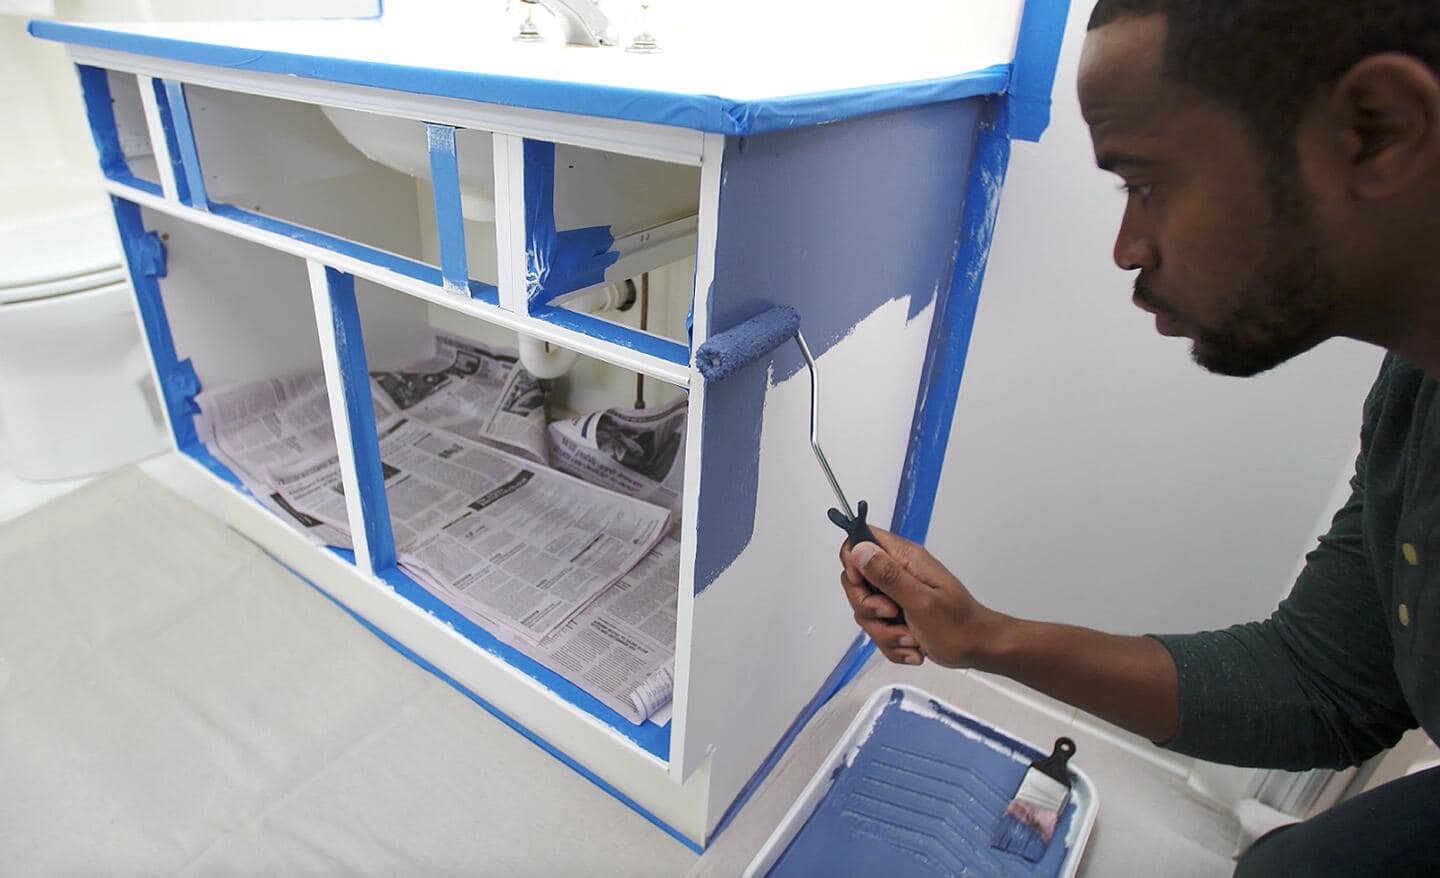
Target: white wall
1095,475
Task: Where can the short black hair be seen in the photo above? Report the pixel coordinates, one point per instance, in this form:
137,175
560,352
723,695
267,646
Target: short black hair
1268,58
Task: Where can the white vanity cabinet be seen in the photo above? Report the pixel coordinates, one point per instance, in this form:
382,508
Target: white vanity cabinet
319,195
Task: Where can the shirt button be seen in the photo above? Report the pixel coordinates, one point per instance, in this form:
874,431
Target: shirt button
1404,612
1412,557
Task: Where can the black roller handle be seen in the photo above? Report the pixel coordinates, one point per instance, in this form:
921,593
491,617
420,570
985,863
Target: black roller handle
859,532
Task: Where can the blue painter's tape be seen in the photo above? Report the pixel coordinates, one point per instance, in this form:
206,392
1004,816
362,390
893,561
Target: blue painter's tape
634,339
495,711
183,136
150,255
449,221
355,388
95,91
167,124
178,382
557,262
850,665
700,112
1037,53
950,331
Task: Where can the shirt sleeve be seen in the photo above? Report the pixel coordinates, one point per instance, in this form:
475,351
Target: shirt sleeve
1314,685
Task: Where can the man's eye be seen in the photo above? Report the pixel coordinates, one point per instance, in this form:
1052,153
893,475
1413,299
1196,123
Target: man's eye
1138,190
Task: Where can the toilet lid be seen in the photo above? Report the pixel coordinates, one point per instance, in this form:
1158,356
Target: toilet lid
55,239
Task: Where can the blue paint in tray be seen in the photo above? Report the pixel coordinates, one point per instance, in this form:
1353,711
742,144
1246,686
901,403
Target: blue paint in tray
920,796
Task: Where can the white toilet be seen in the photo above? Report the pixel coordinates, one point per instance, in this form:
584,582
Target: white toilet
76,397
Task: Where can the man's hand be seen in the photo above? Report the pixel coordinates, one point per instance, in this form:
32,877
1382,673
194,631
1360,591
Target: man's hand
942,620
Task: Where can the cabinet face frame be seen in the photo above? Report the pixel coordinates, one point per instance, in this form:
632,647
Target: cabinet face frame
707,151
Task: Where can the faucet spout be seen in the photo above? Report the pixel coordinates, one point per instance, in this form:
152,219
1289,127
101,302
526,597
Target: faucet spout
584,23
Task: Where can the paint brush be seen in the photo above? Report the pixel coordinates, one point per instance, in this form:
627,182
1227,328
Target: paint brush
1029,820
727,352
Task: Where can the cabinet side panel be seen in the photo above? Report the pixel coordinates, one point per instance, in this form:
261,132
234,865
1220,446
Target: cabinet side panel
854,225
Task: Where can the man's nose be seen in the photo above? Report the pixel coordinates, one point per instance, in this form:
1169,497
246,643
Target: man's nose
1134,245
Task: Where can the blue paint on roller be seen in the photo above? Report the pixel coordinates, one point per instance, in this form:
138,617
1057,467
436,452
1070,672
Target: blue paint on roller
739,346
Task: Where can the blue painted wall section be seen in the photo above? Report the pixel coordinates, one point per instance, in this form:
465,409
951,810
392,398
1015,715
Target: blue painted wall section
183,136
1032,79
950,332
835,222
355,388
449,222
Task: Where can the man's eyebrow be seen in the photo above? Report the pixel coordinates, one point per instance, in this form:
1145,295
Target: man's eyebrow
1110,161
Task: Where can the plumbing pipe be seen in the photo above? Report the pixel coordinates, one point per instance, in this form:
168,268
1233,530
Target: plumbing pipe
546,362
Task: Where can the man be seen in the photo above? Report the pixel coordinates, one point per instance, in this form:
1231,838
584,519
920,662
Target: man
1282,165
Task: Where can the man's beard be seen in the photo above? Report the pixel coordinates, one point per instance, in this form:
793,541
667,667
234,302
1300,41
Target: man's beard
1282,310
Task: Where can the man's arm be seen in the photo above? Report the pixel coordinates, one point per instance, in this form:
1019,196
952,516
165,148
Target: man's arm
1130,681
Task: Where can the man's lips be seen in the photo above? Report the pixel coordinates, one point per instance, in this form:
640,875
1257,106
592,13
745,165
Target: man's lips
1165,323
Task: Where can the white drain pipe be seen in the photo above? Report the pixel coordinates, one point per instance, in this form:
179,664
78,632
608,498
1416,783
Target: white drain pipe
544,361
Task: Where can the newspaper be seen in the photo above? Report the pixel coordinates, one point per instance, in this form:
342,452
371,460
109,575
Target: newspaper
621,648
463,386
638,452
523,545
474,391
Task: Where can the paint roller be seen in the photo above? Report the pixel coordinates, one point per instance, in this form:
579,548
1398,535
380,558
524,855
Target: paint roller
726,353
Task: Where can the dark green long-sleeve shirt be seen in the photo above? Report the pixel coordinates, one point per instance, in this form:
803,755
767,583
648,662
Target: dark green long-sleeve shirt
1351,659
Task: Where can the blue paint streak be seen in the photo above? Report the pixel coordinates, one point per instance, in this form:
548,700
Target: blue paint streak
449,223
557,262
834,222
711,113
355,391
1037,53
950,332
178,382
920,799
633,339
184,137
167,122
494,711
850,664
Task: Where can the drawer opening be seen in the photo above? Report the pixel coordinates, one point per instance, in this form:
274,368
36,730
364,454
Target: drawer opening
292,167
118,125
537,518
593,218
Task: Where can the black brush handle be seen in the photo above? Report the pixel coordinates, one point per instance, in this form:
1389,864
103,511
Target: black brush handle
859,532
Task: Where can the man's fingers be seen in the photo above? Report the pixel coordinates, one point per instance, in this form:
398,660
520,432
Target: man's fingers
865,603
912,556
882,571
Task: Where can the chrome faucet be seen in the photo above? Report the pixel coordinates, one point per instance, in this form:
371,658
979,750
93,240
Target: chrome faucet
584,23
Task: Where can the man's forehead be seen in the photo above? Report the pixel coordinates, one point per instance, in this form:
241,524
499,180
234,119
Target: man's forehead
1121,65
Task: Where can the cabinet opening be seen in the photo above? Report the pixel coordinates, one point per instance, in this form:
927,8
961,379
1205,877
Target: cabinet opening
538,518
117,121
597,220
356,182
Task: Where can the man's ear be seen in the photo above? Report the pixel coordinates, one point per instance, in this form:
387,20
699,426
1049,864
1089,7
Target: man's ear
1384,115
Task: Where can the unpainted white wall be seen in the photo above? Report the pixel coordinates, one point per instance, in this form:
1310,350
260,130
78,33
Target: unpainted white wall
1095,475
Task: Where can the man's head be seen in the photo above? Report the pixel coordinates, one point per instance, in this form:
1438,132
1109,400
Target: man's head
1274,152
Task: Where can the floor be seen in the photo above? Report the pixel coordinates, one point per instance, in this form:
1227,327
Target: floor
173,702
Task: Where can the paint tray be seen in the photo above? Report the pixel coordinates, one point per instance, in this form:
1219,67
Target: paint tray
915,788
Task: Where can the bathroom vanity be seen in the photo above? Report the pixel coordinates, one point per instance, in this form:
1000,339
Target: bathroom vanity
320,196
